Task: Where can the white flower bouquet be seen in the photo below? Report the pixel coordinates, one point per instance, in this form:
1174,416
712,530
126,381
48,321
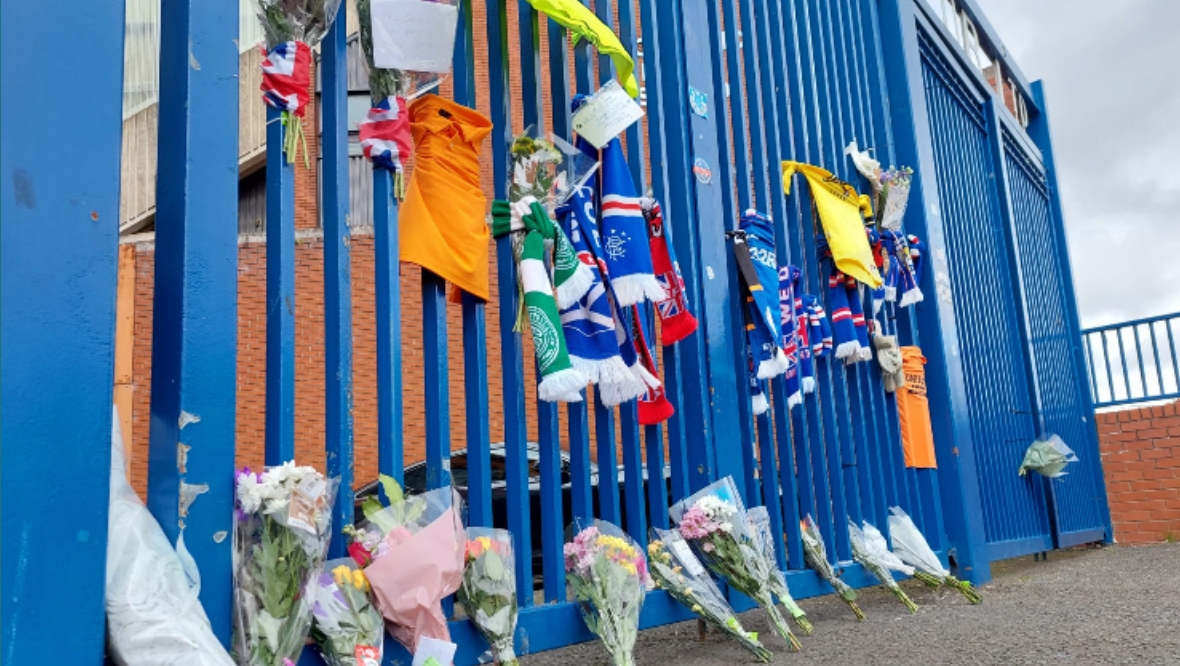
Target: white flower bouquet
282,526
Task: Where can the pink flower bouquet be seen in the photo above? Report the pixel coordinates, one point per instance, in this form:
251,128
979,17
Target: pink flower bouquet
415,550
715,523
606,573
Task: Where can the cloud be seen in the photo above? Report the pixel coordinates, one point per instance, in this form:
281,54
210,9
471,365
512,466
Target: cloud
1109,72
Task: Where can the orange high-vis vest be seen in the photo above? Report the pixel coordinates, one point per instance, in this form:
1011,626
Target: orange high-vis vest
913,411
442,225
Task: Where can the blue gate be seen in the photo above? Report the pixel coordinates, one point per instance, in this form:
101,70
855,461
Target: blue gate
782,79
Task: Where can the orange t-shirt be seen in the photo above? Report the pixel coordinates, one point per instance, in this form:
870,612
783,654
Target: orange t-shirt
913,411
442,225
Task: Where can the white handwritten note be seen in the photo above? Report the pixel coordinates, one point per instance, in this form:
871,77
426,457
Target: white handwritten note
414,35
606,114
442,651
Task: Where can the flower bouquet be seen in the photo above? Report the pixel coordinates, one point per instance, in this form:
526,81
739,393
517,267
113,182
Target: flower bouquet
347,628
759,521
817,558
894,195
488,593
606,574
677,571
715,523
293,28
878,564
281,533
412,552
910,547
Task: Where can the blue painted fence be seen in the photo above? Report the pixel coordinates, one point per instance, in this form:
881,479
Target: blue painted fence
784,79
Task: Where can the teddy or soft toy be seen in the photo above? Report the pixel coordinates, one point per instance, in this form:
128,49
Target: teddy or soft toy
889,356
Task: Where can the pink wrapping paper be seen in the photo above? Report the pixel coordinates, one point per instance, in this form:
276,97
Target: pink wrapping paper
415,575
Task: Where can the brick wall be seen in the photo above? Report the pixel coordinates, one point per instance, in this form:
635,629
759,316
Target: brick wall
1141,459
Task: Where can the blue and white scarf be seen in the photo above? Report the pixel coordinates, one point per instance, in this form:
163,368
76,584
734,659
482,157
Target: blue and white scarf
787,277
623,232
754,246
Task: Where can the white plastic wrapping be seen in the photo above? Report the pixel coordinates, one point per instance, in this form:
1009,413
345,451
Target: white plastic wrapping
910,546
878,548
764,537
869,558
154,617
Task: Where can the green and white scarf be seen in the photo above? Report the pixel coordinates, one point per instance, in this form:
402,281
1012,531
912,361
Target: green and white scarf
534,235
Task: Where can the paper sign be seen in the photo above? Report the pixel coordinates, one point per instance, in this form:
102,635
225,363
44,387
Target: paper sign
442,651
606,114
686,557
307,500
414,35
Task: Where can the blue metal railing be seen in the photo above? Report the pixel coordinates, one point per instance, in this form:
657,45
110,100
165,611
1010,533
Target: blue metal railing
1134,361
784,79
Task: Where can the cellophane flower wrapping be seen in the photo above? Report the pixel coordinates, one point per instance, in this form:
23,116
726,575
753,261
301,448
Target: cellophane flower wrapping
488,592
911,547
547,168
414,551
282,526
304,21
816,556
877,564
677,571
347,627
606,574
714,521
895,195
764,535
154,615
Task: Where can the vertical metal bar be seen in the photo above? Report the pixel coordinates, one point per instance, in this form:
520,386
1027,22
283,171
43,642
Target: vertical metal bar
437,386
1155,352
1171,352
280,295
390,442
194,333
475,357
549,441
634,479
661,179
608,464
636,155
337,276
1139,356
59,260
1118,336
1106,359
707,265
1090,362
512,357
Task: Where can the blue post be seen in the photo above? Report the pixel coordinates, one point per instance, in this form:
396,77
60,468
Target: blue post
390,442
1038,130
337,276
59,249
957,470
194,334
280,293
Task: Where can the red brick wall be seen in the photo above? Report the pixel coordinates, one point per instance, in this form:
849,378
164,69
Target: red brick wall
1141,458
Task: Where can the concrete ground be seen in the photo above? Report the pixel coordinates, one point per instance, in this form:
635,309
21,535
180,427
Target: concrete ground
1113,605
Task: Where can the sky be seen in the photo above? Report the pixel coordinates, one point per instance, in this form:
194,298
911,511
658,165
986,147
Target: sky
1112,77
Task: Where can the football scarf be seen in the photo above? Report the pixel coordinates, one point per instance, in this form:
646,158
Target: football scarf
901,275
560,382
676,322
917,258
856,307
787,277
623,233
754,249
819,327
654,407
592,329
